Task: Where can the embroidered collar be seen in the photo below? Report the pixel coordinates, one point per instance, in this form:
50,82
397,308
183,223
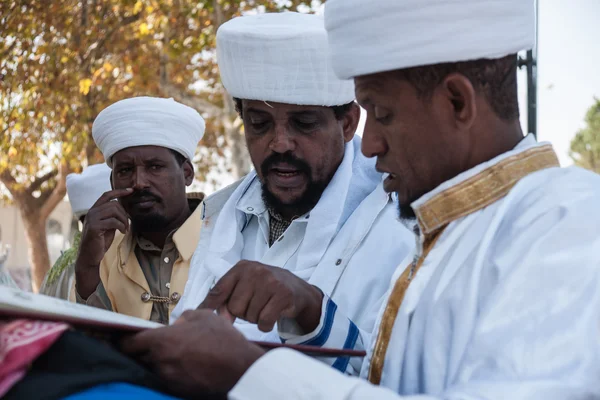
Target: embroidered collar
483,185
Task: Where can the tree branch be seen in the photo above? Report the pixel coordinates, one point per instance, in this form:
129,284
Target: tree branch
8,49
38,182
204,107
9,182
57,194
93,51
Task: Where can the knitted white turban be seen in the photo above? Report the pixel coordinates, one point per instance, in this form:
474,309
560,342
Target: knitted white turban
147,121
280,57
367,37
86,188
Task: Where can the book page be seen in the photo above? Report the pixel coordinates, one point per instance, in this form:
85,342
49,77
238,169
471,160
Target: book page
16,303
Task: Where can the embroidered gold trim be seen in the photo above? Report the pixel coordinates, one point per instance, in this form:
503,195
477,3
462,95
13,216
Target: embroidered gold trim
392,308
483,189
475,193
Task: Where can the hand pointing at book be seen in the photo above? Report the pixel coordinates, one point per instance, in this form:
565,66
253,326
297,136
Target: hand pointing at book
263,294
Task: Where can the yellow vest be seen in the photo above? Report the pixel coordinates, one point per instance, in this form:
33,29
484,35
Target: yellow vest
124,280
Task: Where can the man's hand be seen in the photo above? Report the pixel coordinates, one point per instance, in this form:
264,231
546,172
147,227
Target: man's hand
200,354
262,294
101,223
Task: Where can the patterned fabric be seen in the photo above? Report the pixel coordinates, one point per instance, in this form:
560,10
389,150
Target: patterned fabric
21,342
277,227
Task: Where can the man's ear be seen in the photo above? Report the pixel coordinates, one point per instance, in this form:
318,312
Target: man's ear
188,172
112,186
461,99
350,122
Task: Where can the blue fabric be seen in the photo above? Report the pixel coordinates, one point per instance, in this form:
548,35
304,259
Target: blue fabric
118,391
341,364
323,335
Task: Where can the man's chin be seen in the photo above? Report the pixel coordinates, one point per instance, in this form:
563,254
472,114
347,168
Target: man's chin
148,222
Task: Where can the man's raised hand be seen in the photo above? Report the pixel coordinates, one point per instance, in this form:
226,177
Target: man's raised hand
101,222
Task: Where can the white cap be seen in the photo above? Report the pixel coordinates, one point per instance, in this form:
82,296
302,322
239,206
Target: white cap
367,37
147,121
280,57
86,188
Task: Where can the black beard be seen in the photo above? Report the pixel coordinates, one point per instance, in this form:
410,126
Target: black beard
307,201
406,212
302,205
150,223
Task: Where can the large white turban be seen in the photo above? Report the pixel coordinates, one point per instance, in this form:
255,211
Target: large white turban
147,121
280,57
86,188
367,37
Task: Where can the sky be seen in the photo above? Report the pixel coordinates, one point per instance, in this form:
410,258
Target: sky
568,71
568,65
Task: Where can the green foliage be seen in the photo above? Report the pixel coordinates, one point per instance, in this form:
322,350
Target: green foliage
585,146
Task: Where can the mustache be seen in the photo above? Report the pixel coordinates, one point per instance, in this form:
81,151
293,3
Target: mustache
142,195
287,158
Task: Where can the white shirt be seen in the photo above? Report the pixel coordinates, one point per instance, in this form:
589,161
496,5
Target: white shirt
284,251
505,306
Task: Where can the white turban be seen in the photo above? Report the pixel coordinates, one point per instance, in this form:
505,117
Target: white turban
147,121
86,188
367,37
280,57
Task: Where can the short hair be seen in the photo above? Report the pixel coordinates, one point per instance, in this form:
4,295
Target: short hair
338,111
180,158
495,78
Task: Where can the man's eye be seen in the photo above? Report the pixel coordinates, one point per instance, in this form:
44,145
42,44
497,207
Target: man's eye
384,120
305,125
382,116
156,167
123,171
259,126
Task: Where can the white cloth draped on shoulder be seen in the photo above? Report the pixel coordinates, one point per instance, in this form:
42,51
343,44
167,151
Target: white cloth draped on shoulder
354,180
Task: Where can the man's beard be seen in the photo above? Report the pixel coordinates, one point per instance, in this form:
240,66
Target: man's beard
306,201
406,211
150,222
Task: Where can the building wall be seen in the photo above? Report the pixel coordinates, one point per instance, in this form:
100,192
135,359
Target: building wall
12,234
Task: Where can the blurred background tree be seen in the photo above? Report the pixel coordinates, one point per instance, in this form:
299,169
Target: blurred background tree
585,146
62,62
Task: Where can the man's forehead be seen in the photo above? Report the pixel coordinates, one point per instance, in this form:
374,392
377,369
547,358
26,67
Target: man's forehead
367,86
279,108
142,153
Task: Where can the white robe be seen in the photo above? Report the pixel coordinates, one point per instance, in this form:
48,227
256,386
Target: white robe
506,306
332,250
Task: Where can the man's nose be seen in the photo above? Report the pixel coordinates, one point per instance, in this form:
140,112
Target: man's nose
282,141
373,144
140,179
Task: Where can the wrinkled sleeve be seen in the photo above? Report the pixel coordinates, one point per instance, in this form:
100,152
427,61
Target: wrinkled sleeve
99,298
536,333
335,330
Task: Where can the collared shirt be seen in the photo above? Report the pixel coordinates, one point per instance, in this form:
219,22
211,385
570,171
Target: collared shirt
268,239
277,226
157,267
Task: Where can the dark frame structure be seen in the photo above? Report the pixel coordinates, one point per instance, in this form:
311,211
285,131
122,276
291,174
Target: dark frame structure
530,64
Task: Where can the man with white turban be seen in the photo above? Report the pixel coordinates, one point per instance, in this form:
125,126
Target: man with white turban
83,190
502,298
139,238
302,227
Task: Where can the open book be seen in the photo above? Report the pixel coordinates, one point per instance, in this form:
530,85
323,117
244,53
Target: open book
15,303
